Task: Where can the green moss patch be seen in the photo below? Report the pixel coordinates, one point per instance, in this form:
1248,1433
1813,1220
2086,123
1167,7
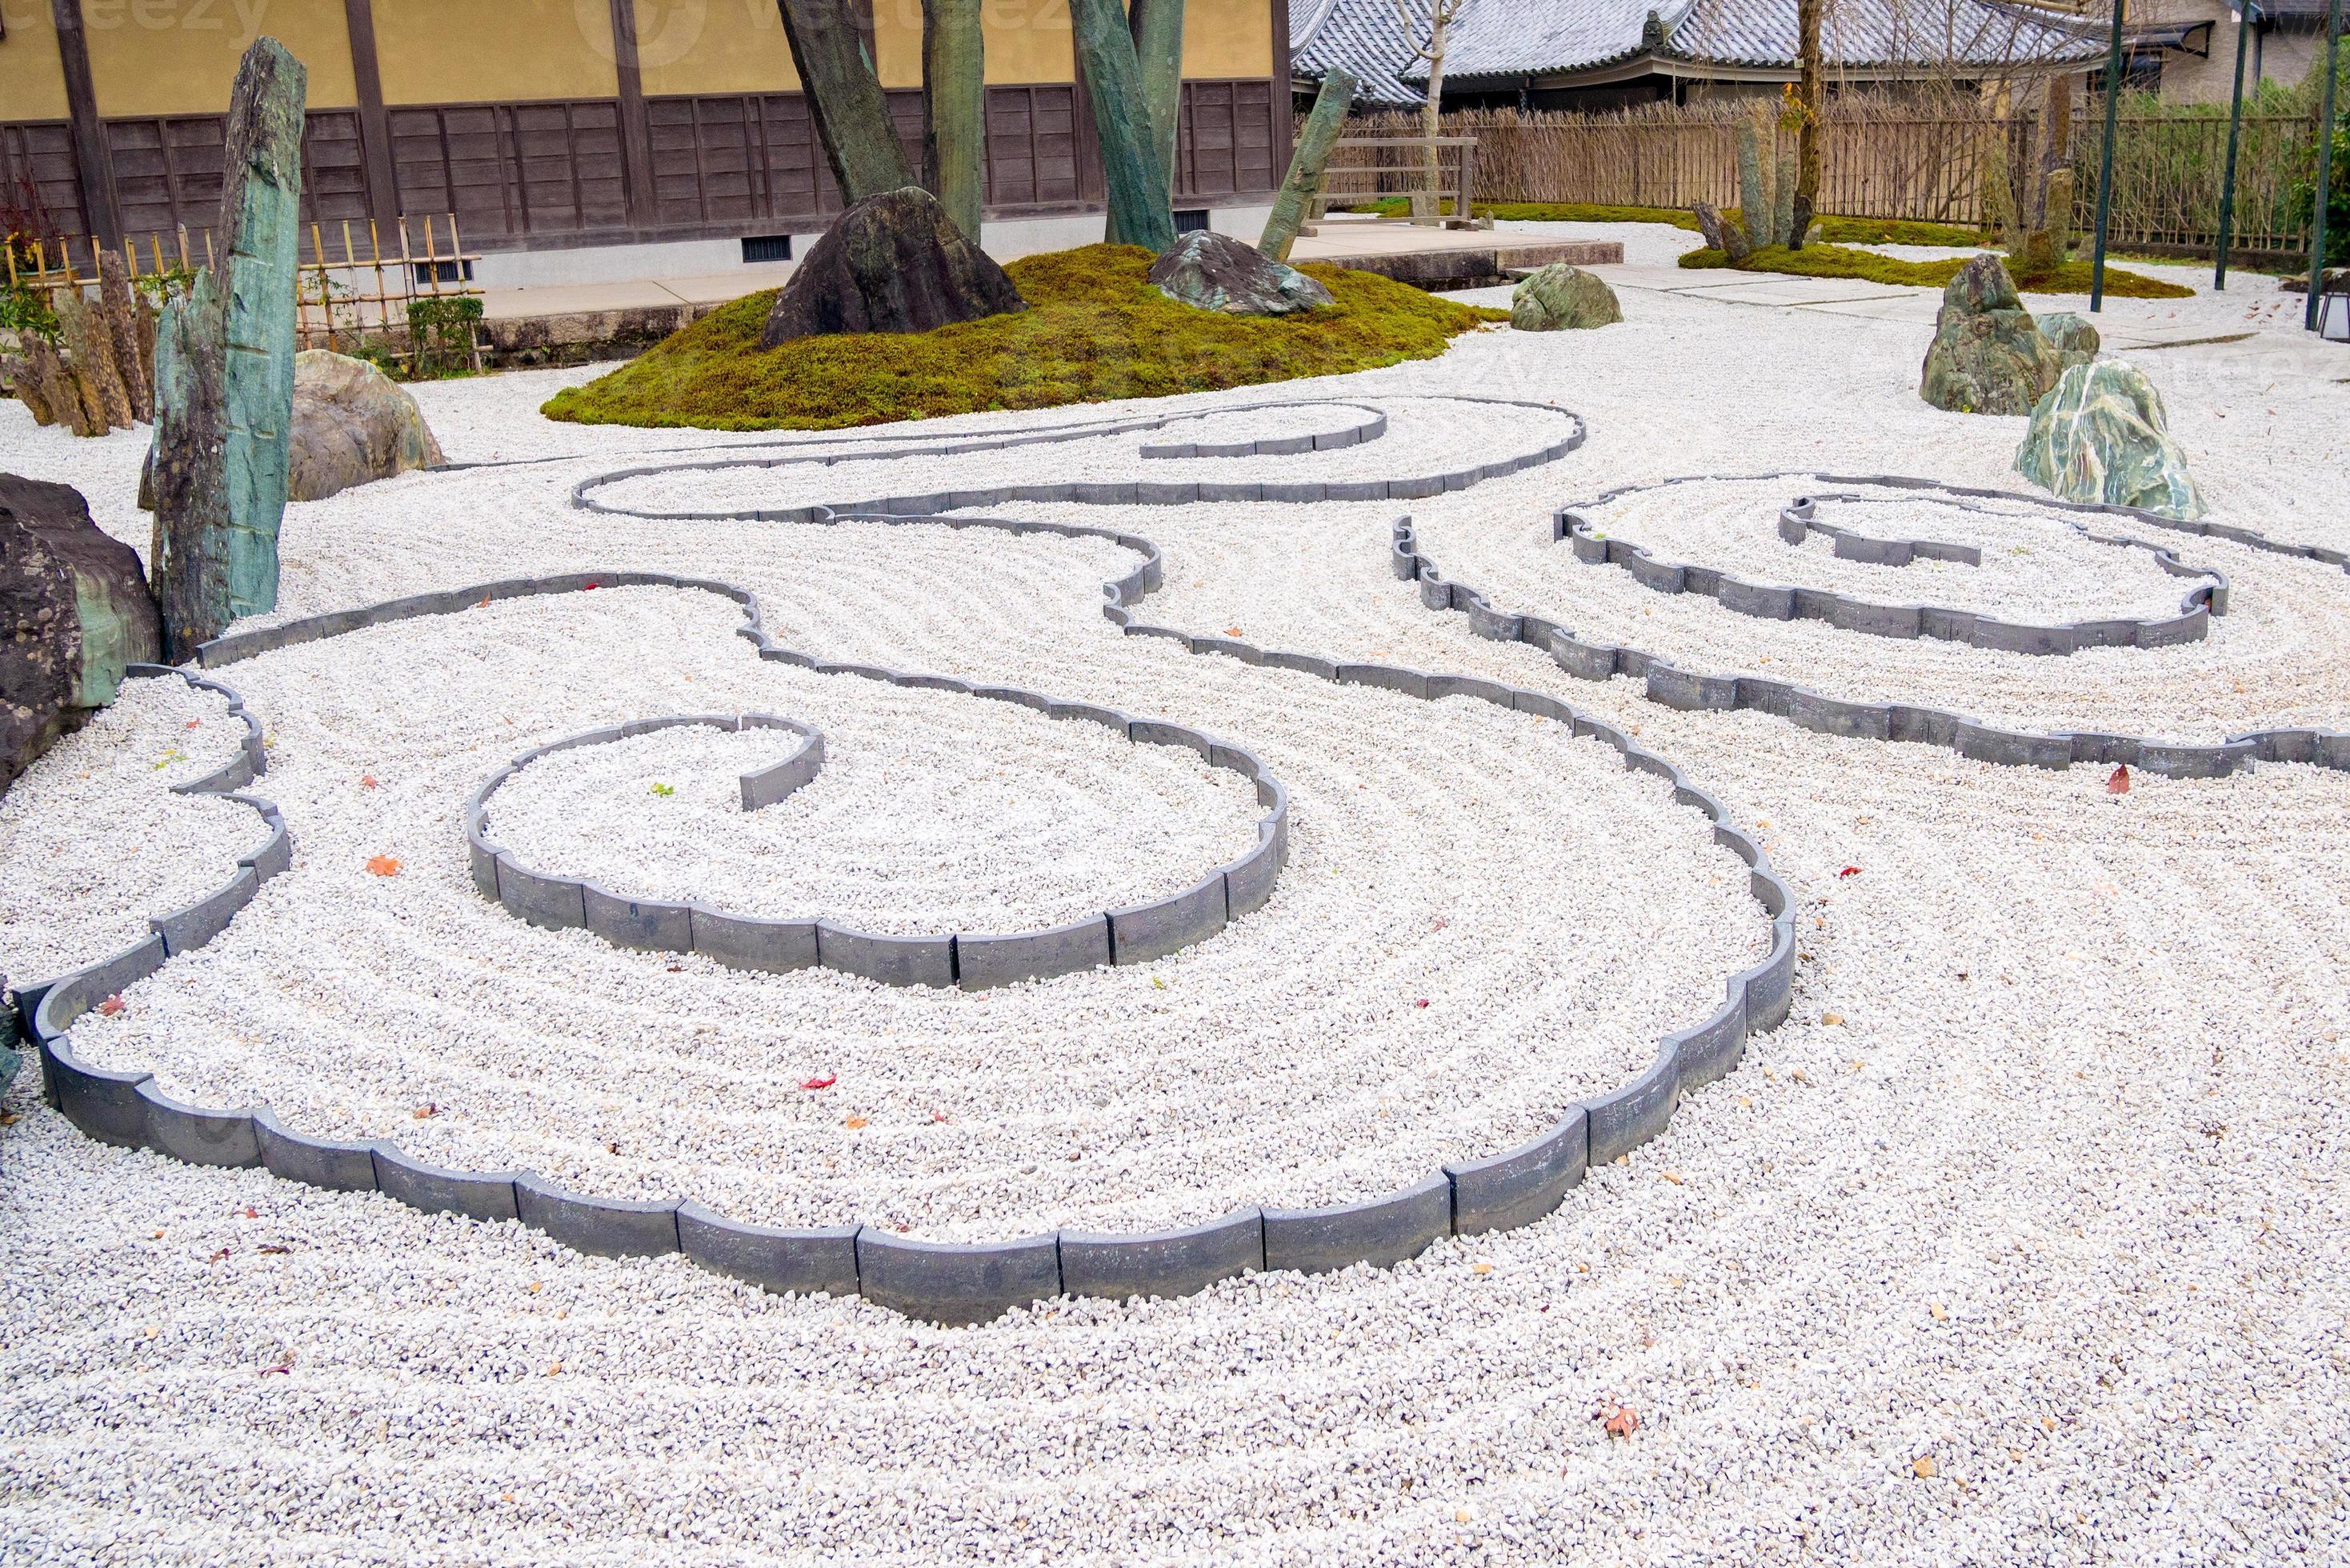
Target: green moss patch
1831,229
1095,330
1840,261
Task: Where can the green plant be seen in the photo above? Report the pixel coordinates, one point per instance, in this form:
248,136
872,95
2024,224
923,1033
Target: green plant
25,311
2337,201
1095,330
441,335
1840,261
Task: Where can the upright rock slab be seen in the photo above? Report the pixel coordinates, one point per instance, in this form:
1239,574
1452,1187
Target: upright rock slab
894,264
1988,356
1216,272
353,426
74,610
2102,436
261,203
1559,297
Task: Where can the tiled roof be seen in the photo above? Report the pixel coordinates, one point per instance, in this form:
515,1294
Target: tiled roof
1367,37
1551,38
1876,33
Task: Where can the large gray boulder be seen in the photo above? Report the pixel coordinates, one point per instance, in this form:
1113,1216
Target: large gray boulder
1216,272
353,425
893,263
1988,356
2073,337
73,610
2101,435
1558,298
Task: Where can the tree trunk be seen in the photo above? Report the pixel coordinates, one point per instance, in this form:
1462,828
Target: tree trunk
188,563
1138,211
260,220
844,98
1158,27
1808,88
1431,113
1306,162
954,110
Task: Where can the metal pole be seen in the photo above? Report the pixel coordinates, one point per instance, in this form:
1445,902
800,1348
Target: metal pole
2235,130
2325,193
2105,164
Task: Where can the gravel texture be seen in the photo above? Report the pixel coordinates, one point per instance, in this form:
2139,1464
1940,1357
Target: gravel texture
93,841
2024,1242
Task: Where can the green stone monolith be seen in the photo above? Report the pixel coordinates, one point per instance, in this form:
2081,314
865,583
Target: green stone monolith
845,98
954,110
260,228
188,563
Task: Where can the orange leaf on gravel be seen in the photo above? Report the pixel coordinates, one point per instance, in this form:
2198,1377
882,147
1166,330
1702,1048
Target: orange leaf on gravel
821,1083
1622,1421
2118,782
110,1007
383,866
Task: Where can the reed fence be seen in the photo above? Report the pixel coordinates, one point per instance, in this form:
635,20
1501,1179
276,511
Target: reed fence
1926,167
353,284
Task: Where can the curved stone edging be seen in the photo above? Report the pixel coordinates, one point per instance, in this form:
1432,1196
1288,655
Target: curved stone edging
1772,601
1371,429
1142,493
1671,687
959,1284
975,961
188,928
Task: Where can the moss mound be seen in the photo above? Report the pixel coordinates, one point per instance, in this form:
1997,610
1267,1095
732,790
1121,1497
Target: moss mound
1834,230
1095,330
1839,261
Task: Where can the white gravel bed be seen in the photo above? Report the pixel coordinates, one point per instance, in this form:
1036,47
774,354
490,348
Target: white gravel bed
1555,913
2037,566
93,841
976,819
2021,1243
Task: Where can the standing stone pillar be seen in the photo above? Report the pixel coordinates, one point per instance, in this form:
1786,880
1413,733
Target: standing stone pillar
261,220
189,561
1139,209
1306,163
954,110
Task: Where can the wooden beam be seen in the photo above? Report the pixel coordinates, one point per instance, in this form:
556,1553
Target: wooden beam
1284,113
375,122
635,131
94,171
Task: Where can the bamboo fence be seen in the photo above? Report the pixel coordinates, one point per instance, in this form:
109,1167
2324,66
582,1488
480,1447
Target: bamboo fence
1880,162
350,284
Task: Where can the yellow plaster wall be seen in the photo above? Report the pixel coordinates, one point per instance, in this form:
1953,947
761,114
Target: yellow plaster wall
493,51
713,46
32,82
180,57
1228,38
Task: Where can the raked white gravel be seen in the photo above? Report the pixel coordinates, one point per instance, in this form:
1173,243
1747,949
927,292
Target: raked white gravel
2026,1241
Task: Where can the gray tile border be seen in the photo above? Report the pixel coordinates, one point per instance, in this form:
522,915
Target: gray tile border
336,1165
606,1227
1520,1186
1122,1266
1894,720
803,1263
475,1194
956,1284
1379,1231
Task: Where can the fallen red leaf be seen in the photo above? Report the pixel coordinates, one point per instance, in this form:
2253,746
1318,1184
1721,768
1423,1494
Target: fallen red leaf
285,1365
367,781
821,1083
1849,871
110,1006
216,1257
937,1116
1622,1421
1422,1002
273,1247
196,723
421,1112
589,588
2118,784
383,866
251,1212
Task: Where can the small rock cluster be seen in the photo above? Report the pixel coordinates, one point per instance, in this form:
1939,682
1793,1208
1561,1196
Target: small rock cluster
1989,354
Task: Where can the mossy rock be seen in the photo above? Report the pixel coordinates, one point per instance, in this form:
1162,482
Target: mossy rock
2101,435
1560,298
1988,356
1096,329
